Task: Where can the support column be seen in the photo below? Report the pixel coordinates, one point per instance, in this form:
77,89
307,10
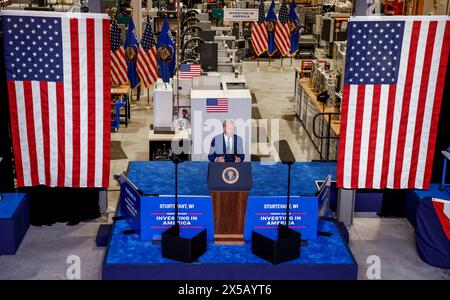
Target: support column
136,15
346,206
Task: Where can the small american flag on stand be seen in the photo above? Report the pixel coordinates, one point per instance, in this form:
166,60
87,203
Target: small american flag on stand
59,86
118,64
217,105
282,32
259,31
189,71
146,60
393,85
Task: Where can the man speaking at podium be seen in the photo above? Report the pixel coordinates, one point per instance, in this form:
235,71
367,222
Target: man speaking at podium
226,147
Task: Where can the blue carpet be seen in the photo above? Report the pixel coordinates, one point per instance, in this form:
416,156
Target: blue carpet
130,250
9,204
268,180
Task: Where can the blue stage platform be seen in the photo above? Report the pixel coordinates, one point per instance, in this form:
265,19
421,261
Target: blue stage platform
128,257
14,221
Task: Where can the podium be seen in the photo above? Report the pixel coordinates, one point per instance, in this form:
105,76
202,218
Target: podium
229,184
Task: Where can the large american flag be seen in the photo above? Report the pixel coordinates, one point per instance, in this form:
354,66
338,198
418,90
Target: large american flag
282,32
59,86
393,84
118,64
259,31
146,60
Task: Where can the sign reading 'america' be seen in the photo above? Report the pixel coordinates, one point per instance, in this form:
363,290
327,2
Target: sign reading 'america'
393,84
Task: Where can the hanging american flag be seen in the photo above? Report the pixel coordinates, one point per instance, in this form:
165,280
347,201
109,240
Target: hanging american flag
59,85
118,63
393,84
146,61
217,105
282,31
190,71
259,31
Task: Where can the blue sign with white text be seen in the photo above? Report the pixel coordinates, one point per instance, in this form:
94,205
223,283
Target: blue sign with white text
158,214
265,213
130,203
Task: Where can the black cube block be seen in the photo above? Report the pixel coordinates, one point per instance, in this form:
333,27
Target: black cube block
285,248
104,230
182,248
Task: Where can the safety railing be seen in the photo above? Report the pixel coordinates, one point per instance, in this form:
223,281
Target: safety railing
324,135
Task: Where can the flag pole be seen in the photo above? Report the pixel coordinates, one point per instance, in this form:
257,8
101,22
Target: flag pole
269,62
292,66
257,66
281,62
177,61
148,99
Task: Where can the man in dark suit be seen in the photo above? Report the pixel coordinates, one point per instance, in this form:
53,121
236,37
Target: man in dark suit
226,147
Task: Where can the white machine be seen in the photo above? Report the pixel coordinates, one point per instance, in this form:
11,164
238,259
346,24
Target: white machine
162,106
208,113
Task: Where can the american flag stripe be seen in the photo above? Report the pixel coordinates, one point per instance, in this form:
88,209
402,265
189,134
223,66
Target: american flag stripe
146,66
282,38
259,36
36,94
103,178
442,62
397,157
373,135
68,108
83,73
118,64
15,133
119,67
45,129
282,32
75,103
422,97
60,129
146,60
388,131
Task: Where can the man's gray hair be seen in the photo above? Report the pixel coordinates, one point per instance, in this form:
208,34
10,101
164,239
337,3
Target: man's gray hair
231,121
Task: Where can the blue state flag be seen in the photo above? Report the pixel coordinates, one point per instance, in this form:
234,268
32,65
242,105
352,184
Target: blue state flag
131,52
294,27
271,23
165,49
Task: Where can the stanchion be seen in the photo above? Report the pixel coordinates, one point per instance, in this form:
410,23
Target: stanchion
257,66
281,63
269,67
148,99
291,66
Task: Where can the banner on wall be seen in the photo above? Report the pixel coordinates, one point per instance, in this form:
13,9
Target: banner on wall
240,14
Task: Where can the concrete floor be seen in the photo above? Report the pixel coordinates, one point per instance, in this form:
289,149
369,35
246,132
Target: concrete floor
45,250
